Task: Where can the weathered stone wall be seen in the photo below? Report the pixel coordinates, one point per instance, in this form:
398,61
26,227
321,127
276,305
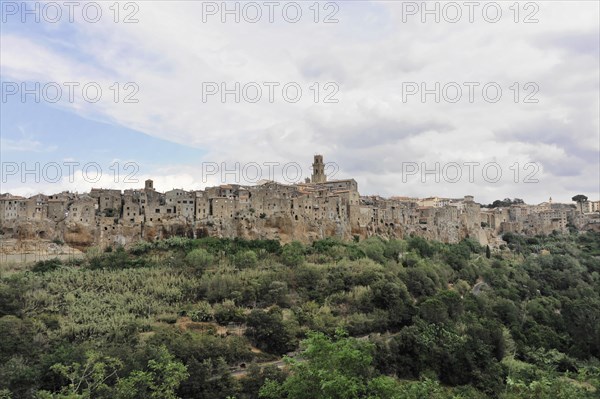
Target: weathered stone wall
303,212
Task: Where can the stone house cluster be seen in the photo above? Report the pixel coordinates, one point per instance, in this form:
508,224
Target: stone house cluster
543,218
304,211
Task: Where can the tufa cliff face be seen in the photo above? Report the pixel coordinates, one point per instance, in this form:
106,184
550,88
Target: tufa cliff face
248,224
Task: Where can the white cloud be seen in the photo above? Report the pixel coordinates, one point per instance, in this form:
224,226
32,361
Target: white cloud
369,53
25,142
24,145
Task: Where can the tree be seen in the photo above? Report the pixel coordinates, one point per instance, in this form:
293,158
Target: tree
582,317
199,258
11,295
394,249
202,312
374,248
226,312
393,297
293,254
488,253
421,246
580,199
256,378
16,337
269,331
245,259
332,368
159,381
19,377
433,310
97,377
90,379
44,266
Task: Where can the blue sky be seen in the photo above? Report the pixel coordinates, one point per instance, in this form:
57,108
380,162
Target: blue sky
367,57
60,134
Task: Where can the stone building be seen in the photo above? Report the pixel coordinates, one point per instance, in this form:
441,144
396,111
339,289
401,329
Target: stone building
37,207
179,202
82,210
318,175
305,211
109,201
131,212
591,207
12,207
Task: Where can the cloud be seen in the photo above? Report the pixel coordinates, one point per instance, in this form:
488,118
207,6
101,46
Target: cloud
25,143
368,55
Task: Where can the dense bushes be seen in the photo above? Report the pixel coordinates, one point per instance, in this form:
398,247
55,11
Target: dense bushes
444,318
44,266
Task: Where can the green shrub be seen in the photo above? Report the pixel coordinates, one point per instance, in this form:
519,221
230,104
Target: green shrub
228,312
245,259
203,312
199,258
141,247
44,266
292,254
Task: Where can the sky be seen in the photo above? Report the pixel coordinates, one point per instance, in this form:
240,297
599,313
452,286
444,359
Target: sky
490,99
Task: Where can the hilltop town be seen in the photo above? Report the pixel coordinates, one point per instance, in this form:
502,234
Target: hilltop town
305,211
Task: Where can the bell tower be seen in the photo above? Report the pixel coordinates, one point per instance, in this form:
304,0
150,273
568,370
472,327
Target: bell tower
149,185
318,175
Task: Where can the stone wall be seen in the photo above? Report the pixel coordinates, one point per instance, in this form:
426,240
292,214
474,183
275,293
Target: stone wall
303,212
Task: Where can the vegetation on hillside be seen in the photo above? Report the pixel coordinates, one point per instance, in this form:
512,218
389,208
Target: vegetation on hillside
212,318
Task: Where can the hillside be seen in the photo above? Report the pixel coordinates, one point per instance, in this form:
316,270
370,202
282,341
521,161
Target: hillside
212,318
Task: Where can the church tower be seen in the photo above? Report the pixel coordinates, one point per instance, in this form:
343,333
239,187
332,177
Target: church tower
318,175
149,185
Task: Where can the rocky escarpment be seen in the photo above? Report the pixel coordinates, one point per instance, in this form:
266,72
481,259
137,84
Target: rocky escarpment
279,226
